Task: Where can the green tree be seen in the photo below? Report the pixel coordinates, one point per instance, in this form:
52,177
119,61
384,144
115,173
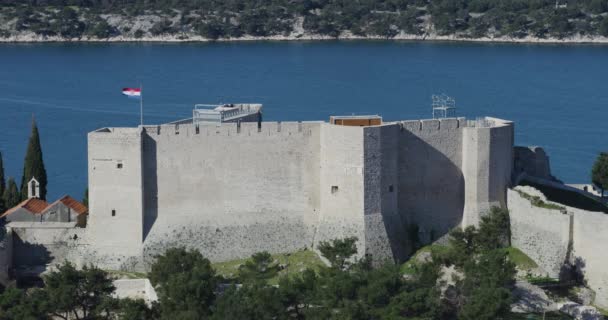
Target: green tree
484,291
259,267
252,301
297,293
419,298
494,229
603,27
2,186
34,164
82,294
129,309
185,282
598,6
16,304
101,29
599,172
67,23
11,194
486,287
85,198
338,251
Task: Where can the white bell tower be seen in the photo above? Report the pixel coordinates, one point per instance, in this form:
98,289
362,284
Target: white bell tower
33,189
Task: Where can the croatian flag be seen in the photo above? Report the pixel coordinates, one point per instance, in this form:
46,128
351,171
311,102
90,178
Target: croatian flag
132,92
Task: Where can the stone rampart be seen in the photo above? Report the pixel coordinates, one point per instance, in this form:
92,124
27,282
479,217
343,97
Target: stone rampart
547,235
384,228
239,188
232,190
430,181
341,188
590,231
487,150
542,234
46,243
115,194
531,161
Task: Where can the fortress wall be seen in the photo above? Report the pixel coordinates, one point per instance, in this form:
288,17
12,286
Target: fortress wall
590,239
385,233
488,162
40,245
431,184
532,161
231,192
542,234
341,185
119,189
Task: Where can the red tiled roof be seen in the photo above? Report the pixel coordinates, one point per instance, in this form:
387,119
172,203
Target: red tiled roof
33,205
37,206
74,204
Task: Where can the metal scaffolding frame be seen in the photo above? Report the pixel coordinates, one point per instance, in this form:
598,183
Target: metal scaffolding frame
443,106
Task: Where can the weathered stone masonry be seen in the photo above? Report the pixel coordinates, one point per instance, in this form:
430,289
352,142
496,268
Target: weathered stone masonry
233,190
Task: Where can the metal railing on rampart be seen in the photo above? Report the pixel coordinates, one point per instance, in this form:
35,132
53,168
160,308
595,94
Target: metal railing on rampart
242,110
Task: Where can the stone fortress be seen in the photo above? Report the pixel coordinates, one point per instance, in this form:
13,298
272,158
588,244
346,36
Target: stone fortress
228,184
232,188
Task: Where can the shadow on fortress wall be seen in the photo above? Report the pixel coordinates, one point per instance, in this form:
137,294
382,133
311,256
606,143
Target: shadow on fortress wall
150,184
431,187
27,254
29,262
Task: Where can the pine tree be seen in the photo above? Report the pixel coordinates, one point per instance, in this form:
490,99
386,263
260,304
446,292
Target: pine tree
2,185
33,165
11,194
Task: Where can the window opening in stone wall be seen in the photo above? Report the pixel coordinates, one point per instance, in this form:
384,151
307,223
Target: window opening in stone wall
390,188
119,165
198,130
334,189
113,213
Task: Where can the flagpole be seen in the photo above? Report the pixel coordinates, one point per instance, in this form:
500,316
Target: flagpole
141,104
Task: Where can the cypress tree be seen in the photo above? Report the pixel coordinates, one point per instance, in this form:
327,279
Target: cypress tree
85,199
2,185
33,166
11,194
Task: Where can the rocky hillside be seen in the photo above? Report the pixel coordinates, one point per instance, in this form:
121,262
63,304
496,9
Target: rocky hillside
284,19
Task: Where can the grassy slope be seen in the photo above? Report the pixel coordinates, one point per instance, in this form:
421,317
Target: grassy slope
295,263
409,267
521,260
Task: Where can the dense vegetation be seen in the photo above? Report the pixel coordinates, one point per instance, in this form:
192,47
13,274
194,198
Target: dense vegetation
10,194
470,279
235,18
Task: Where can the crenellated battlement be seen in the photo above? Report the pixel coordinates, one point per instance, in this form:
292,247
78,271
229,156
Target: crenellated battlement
233,129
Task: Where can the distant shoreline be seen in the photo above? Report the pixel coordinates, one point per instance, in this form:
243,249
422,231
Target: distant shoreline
188,38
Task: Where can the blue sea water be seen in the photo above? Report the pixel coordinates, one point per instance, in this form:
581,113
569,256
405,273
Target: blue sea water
556,94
